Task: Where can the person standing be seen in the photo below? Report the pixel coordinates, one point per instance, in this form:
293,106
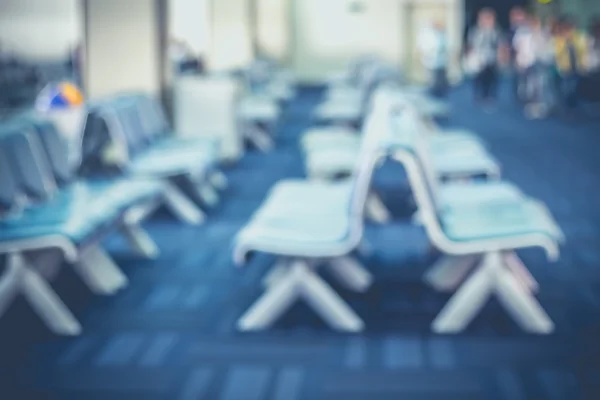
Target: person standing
571,51
591,82
533,57
518,22
486,49
594,46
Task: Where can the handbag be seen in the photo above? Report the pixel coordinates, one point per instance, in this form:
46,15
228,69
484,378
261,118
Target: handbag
472,63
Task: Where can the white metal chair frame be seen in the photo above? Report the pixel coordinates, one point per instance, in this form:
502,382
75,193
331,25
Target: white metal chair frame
295,276
499,272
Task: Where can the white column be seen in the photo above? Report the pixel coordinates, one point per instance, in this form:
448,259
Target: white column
274,28
125,46
231,35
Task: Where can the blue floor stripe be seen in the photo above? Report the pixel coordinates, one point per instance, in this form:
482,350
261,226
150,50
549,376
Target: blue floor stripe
510,386
248,383
196,298
159,349
442,354
120,350
289,384
356,353
197,385
162,297
403,353
76,351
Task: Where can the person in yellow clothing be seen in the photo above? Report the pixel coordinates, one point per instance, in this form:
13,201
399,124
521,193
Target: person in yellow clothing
571,55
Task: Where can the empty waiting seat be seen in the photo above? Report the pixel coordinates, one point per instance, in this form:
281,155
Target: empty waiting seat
72,221
486,237
325,237
137,197
155,127
114,139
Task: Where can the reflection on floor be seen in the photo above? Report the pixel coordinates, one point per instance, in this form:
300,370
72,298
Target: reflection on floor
171,335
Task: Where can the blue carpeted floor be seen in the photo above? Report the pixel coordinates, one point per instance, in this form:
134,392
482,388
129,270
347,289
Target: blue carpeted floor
171,335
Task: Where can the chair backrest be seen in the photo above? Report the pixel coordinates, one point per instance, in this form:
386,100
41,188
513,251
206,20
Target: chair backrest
28,160
409,128
381,97
357,66
56,148
373,77
96,139
131,124
152,115
120,123
9,193
376,130
376,127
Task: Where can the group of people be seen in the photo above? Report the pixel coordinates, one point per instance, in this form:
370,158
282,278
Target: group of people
547,61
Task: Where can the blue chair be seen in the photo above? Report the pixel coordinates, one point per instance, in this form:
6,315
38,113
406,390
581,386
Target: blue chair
146,152
137,198
40,217
155,127
60,225
114,137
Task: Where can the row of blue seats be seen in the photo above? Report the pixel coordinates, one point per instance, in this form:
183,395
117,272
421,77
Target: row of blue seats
130,135
128,166
44,209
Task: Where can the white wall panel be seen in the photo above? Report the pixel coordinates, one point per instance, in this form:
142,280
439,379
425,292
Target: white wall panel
123,50
327,35
231,39
40,29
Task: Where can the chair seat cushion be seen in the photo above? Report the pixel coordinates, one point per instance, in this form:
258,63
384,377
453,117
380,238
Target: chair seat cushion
281,90
205,147
175,149
459,150
79,210
339,111
456,162
69,214
336,137
465,164
451,136
498,221
456,196
330,137
303,237
118,194
166,164
301,218
344,93
258,109
299,199
328,163
427,105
